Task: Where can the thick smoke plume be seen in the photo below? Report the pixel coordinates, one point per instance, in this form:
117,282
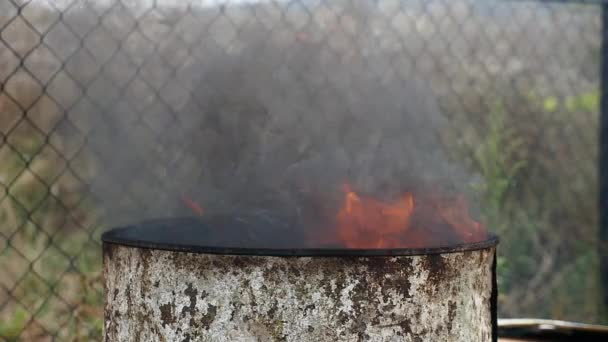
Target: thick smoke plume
277,121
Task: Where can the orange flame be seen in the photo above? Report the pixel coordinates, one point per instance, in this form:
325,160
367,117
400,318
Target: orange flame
424,221
193,205
369,223
456,214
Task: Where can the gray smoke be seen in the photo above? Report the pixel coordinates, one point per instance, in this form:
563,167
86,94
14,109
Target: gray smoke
277,121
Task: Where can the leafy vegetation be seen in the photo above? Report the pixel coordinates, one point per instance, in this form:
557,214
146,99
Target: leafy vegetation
537,190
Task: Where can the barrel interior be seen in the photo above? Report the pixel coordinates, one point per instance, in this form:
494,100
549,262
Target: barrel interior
226,235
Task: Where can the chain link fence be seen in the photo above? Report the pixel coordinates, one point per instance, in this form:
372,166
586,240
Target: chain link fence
82,81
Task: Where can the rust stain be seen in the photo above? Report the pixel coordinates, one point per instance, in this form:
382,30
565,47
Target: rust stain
108,250
129,299
190,310
166,314
452,306
209,317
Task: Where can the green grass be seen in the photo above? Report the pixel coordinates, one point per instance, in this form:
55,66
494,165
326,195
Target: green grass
51,262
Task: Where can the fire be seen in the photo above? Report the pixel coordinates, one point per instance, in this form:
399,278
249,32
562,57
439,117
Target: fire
456,214
369,223
365,222
195,207
410,221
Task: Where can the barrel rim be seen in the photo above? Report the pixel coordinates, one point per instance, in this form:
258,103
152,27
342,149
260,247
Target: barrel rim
130,236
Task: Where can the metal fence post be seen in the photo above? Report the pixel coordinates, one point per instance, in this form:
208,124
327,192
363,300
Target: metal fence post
603,158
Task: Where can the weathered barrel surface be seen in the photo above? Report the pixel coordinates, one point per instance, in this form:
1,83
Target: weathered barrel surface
158,295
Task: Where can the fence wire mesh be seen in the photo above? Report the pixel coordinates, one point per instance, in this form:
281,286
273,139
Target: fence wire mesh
517,81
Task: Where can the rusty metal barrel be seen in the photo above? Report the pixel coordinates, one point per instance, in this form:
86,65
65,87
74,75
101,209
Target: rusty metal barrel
164,284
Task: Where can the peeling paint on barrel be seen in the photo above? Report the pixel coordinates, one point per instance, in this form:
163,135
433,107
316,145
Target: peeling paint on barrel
156,295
